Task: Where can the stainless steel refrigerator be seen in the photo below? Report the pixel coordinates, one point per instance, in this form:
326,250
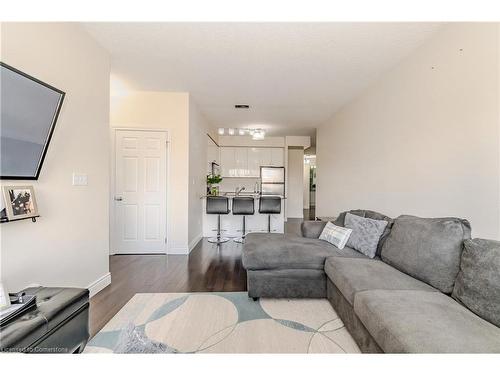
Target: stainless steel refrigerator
272,181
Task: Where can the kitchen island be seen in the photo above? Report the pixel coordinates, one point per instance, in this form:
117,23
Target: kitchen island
232,224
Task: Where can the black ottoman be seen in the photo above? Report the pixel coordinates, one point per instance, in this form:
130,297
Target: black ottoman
58,324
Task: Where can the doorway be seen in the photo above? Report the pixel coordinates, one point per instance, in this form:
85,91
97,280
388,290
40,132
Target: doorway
140,192
310,187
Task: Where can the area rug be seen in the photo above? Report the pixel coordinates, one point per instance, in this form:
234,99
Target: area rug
222,323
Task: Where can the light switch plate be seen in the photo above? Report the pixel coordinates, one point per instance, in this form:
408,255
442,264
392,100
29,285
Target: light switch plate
80,179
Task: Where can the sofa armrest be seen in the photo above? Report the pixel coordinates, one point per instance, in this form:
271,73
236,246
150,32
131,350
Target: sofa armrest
312,229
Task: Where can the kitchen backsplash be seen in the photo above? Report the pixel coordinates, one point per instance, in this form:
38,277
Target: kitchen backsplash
230,184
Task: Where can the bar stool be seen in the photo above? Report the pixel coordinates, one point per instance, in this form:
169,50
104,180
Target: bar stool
269,205
243,206
217,206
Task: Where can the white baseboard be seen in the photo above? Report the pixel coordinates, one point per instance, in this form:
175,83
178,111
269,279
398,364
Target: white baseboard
195,241
184,250
99,284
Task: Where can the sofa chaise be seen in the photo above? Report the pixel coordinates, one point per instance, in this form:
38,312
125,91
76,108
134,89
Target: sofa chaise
415,296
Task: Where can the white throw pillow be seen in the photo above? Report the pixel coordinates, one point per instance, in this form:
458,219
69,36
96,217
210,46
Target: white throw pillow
337,236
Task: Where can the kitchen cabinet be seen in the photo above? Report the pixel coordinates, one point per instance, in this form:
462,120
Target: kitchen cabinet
265,157
246,161
227,161
253,156
277,157
258,157
241,161
234,162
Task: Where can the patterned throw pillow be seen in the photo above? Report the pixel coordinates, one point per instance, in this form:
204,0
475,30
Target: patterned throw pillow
365,233
337,236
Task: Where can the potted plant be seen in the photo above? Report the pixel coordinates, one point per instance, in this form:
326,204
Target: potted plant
213,181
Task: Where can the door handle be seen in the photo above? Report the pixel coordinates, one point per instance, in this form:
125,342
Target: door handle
119,199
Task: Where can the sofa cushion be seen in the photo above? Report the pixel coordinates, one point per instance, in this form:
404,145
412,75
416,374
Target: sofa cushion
478,281
289,283
412,321
353,275
265,251
428,249
365,234
312,229
371,215
340,220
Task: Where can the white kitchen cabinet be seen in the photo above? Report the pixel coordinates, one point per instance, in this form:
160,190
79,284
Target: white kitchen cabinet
277,157
241,161
257,157
246,161
265,157
253,155
228,161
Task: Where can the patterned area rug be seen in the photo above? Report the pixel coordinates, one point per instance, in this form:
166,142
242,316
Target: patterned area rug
223,323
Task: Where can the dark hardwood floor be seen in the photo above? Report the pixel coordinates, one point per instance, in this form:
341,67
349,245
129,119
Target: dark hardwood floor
207,268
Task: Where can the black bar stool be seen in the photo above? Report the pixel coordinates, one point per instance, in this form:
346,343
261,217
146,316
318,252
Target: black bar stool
243,206
218,206
269,205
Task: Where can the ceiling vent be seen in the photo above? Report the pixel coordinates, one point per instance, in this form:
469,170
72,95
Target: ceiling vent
241,106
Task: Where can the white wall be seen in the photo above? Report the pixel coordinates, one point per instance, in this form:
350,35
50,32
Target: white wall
295,195
294,142
198,129
250,184
424,139
298,141
306,193
68,245
176,113
167,111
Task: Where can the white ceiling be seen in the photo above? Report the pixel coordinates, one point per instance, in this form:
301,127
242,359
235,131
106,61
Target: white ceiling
293,75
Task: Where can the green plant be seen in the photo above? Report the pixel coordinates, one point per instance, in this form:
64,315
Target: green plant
213,179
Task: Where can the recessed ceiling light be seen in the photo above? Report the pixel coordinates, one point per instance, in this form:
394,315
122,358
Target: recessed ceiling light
241,106
230,131
221,131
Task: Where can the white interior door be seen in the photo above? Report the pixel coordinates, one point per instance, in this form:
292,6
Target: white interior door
140,192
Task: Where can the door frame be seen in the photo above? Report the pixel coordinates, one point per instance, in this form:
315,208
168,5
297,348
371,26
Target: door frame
112,185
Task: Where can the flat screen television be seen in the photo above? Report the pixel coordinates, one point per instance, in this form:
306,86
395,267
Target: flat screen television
29,110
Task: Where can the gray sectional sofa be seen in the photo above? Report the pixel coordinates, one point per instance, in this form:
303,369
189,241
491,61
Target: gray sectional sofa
421,293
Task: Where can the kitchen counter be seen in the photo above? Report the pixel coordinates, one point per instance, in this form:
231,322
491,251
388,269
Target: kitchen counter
232,195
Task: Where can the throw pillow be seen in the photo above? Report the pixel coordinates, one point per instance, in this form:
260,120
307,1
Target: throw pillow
337,236
340,221
478,282
365,233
